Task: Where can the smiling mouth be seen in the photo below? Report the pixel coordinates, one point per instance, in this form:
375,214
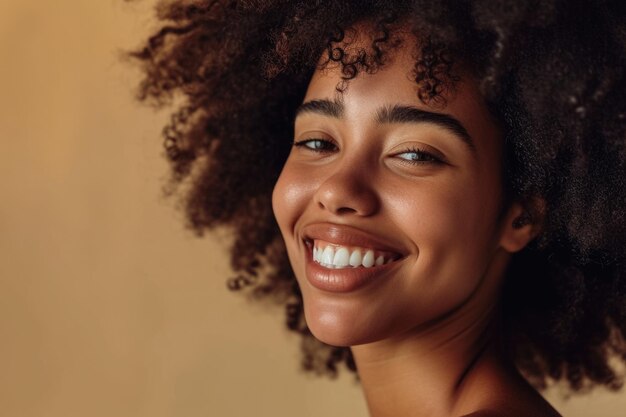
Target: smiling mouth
334,256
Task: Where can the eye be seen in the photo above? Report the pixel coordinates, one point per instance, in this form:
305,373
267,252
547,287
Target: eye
316,145
418,156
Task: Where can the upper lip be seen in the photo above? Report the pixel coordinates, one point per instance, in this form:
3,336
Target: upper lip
349,236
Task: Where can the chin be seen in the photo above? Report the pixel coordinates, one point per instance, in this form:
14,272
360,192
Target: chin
332,335
339,326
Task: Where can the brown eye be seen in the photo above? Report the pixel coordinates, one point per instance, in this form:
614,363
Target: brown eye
418,156
316,145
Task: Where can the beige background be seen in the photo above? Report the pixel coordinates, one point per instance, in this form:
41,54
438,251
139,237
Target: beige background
108,307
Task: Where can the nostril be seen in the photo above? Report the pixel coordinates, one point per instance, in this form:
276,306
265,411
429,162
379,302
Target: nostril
343,195
336,210
345,210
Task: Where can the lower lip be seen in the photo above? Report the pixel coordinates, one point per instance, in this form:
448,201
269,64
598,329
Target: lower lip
342,280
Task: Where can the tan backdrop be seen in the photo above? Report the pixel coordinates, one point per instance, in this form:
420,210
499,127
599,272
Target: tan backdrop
108,307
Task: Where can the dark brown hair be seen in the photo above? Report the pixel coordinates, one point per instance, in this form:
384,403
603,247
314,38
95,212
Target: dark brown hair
552,73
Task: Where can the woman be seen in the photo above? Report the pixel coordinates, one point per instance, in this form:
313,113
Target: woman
447,181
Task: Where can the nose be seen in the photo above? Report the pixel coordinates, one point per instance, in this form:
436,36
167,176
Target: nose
348,191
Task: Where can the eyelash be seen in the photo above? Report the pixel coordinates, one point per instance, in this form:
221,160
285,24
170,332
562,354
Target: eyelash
325,143
425,157
327,146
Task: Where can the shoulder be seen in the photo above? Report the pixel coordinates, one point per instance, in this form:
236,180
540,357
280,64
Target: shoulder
515,408
551,412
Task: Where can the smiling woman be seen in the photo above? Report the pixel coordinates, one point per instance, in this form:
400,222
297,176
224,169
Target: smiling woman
415,200
442,220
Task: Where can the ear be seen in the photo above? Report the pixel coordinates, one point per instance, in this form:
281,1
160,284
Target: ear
522,223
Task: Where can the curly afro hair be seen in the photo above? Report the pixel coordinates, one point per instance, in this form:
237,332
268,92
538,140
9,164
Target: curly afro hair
551,71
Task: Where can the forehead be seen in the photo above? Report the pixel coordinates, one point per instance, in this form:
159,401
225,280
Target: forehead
394,84
392,81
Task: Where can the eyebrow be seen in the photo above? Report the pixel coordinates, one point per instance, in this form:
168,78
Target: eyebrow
323,107
393,114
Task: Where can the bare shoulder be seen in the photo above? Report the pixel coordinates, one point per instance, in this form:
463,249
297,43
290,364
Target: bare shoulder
530,406
512,397
512,413
520,406
484,413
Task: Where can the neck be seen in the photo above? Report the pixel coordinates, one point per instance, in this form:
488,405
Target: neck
443,368
425,375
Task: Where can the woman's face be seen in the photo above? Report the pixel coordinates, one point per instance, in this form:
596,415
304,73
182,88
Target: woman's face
391,210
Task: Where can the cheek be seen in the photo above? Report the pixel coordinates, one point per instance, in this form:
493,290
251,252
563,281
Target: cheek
461,211
281,204
289,198
452,226
287,201
434,214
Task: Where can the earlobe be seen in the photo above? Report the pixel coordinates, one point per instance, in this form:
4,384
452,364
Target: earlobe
521,225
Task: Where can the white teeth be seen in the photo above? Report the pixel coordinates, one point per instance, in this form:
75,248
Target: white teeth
328,255
355,258
342,258
368,259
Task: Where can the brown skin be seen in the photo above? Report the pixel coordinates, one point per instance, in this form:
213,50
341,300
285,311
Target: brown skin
423,330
